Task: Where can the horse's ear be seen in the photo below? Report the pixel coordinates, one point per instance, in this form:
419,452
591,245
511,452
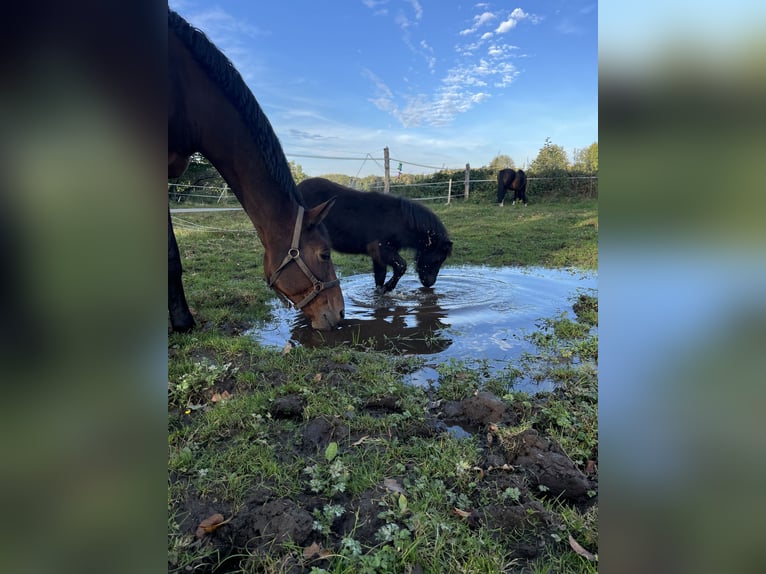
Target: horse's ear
447,247
316,214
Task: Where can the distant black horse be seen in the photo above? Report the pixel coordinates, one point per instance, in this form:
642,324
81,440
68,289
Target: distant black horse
508,179
380,225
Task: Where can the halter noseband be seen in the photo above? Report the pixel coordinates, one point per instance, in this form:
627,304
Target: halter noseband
294,254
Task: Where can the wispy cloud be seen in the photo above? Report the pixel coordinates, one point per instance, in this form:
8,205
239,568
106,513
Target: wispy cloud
479,21
219,25
231,35
373,4
463,86
482,67
514,18
302,135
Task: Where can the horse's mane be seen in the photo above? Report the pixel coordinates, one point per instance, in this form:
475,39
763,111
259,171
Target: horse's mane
223,73
422,219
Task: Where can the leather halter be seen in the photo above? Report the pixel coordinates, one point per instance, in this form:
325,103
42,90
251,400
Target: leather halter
294,254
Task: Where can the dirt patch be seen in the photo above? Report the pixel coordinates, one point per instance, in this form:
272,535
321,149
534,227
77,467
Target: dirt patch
481,409
269,531
288,407
547,465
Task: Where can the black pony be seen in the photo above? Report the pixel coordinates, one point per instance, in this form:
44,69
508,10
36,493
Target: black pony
379,225
508,179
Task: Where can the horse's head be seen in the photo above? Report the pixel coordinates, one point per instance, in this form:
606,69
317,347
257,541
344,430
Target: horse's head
305,274
430,258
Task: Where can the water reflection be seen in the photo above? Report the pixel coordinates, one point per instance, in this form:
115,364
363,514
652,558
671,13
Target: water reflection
384,322
472,313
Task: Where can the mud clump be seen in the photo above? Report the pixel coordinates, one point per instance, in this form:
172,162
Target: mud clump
481,409
546,464
271,525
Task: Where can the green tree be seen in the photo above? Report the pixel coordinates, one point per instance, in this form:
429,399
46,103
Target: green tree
586,159
199,174
501,161
550,166
551,159
297,171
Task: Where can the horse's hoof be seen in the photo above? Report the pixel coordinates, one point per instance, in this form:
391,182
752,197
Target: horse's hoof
184,327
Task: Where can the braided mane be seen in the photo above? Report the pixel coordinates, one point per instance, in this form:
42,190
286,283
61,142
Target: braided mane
222,72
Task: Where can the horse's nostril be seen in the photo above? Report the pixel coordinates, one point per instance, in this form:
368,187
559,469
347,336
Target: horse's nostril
342,314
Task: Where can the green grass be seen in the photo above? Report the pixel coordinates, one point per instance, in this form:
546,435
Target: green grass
230,455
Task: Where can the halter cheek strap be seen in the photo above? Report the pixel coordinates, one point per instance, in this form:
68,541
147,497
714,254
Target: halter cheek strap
294,254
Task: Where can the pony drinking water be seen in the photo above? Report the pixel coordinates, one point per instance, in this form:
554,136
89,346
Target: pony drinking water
379,225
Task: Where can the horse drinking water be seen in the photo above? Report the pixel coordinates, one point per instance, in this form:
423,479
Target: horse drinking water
211,111
379,225
511,179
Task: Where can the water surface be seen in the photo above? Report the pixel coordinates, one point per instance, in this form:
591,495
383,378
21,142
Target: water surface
471,313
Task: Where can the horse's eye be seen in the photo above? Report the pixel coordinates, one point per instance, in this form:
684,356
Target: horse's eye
324,256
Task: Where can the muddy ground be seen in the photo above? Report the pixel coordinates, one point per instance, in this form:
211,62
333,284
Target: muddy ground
267,525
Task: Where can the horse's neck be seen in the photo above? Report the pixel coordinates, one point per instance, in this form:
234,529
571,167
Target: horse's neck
244,168
221,134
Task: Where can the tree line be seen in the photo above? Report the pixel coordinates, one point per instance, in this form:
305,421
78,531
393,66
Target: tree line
551,174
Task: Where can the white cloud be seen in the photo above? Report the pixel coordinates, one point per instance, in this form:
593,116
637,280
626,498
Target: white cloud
479,21
514,18
417,8
481,69
372,4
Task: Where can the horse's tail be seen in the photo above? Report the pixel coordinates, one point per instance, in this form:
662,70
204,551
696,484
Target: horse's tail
500,186
522,177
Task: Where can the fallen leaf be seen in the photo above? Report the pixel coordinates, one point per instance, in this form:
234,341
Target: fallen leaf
311,551
220,397
580,550
287,348
590,467
393,484
210,524
317,377
480,470
461,513
361,440
493,428
490,438
316,550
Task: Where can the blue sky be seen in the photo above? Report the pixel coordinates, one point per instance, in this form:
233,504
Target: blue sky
441,83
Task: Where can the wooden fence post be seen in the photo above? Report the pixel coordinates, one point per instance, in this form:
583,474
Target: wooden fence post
449,191
387,169
467,179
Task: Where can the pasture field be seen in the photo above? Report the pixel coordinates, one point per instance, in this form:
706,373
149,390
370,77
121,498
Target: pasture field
324,460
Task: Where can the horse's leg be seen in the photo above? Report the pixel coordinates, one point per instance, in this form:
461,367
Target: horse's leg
180,317
384,255
399,265
378,265
500,190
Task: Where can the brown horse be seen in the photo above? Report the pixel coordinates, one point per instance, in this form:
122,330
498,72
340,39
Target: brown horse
511,179
212,111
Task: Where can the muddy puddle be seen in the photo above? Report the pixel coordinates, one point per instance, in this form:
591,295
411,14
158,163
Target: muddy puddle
472,313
